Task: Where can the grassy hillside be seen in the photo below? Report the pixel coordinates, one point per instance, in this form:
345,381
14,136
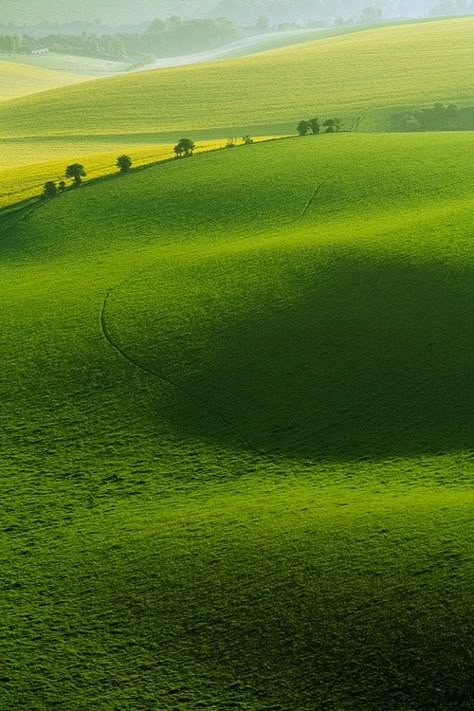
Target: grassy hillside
350,75
236,405
20,80
27,165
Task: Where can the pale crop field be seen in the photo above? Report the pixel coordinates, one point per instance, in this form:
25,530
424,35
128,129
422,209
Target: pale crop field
349,75
71,64
20,80
22,178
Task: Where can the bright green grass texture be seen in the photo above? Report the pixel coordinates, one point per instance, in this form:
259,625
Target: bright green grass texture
352,75
236,405
20,80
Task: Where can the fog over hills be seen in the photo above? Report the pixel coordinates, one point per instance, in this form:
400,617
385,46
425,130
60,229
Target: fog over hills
121,12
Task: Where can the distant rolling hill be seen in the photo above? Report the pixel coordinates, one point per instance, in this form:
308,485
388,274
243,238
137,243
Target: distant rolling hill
20,80
357,75
236,400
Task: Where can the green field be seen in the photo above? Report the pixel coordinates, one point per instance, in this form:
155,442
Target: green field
20,80
236,403
27,165
361,74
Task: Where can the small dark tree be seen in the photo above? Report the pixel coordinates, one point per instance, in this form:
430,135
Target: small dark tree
61,186
50,190
186,147
333,125
303,128
247,140
231,143
76,172
124,163
178,150
314,126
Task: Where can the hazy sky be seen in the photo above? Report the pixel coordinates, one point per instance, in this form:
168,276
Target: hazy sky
136,11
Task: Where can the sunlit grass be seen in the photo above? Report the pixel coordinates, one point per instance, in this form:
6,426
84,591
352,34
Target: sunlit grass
28,165
20,80
350,75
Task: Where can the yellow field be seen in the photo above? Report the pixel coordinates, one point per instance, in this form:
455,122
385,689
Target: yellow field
20,80
348,75
23,179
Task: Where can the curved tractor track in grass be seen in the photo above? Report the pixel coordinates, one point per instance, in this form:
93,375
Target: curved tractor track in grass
115,343
135,363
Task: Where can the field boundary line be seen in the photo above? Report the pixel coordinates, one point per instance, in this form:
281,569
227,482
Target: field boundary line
115,344
134,169
313,197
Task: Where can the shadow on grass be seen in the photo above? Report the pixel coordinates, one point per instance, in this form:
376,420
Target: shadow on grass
369,359
340,615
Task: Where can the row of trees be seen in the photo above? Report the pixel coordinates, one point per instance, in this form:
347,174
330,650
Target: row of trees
315,126
162,38
76,172
183,149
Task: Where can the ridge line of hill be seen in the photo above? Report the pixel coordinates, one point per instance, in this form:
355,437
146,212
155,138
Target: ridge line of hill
20,205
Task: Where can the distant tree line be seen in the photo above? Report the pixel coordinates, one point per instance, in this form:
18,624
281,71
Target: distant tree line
440,117
76,172
315,126
185,148
162,38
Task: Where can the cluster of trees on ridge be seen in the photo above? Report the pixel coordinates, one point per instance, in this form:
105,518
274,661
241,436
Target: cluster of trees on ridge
161,38
76,171
228,22
440,117
315,125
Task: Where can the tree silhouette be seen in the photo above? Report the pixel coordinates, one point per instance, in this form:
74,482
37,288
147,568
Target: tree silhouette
76,172
314,126
178,150
124,163
303,128
333,125
247,140
184,147
61,186
50,190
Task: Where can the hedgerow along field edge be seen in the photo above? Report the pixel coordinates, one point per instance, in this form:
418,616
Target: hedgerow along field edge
23,180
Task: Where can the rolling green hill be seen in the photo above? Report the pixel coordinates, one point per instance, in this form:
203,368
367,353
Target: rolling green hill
20,80
236,404
360,74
